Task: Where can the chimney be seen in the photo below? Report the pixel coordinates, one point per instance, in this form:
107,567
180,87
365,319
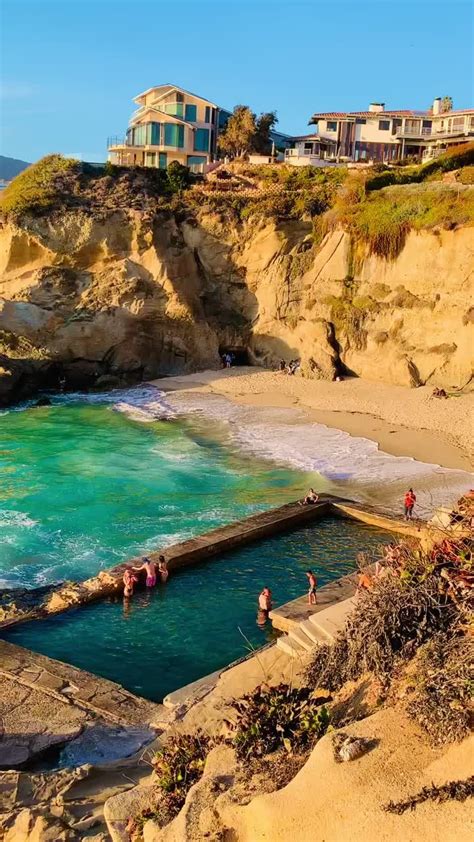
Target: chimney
377,107
437,105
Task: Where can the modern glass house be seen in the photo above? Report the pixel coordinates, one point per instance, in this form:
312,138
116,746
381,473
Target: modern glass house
170,124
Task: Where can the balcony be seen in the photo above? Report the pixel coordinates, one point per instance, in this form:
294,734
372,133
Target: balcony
404,131
116,140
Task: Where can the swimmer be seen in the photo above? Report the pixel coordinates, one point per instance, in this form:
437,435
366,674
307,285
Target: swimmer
149,566
265,600
129,580
163,569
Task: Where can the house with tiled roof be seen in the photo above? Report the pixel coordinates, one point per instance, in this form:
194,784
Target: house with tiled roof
383,135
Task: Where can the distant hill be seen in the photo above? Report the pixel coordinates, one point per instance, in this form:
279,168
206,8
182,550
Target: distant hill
10,167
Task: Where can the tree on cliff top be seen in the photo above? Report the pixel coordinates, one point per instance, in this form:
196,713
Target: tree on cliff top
245,132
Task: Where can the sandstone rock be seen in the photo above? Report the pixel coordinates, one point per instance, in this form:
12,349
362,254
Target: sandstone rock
31,826
104,743
123,296
120,808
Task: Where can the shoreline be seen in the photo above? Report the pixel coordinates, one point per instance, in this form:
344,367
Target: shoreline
354,406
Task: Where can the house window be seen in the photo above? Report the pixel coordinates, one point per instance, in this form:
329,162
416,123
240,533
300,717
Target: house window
207,116
176,109
174,135
190,113
196,159
153,134
361,121
331,125
201,140
384,125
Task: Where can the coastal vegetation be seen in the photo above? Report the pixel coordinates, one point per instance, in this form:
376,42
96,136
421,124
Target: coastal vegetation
377,208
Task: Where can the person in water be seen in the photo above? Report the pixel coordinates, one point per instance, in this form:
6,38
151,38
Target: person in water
129,580
313,584
149,566
310,498
163,569
410,500
265,600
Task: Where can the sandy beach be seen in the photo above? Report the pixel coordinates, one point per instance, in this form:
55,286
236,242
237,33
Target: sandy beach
403,421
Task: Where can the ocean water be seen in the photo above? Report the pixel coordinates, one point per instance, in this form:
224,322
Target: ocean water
204,617
95,479
87,483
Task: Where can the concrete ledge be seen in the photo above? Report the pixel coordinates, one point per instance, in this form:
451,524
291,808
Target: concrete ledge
291,614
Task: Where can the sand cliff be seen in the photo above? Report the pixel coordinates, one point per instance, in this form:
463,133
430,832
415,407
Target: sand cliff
135,295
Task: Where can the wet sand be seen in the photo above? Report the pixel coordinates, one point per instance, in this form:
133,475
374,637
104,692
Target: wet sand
403,421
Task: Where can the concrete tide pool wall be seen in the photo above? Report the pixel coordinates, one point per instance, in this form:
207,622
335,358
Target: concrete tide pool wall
19,606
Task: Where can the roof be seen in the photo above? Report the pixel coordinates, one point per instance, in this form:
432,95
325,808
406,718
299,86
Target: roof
393,112
317,137
136,117
171,87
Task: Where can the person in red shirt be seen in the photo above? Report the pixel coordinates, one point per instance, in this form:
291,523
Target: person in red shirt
410,500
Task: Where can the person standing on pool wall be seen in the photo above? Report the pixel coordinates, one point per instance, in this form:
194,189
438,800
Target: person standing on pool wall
312,587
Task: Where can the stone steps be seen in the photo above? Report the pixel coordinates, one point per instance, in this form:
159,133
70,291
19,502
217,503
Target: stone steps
299,635
320,629
329,622
290,647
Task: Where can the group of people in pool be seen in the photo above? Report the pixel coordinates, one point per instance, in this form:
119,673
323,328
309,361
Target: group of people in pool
152,572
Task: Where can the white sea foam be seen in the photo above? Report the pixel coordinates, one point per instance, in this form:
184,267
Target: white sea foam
15,519
283,435
140,403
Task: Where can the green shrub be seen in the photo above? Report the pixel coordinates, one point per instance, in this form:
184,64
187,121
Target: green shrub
179,176
385,217
37,188
452,159
466,175
270,718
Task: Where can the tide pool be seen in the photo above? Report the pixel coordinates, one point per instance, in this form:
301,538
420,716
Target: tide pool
83,486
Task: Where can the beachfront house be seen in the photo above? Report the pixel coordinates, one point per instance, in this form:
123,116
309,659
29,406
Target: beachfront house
311,149
382,135
170,124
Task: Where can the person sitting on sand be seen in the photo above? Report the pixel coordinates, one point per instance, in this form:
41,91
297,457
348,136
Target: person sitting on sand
310,498
410,500
149,566
312,587
163,569
265,600
129,580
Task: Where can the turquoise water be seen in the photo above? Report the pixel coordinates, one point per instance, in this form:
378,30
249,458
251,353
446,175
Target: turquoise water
83,486
203,618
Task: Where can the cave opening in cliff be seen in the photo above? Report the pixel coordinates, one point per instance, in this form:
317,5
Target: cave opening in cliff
239,354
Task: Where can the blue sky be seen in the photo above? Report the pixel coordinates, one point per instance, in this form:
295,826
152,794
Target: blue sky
70,69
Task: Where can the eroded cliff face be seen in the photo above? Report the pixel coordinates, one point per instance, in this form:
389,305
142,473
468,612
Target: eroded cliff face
136,296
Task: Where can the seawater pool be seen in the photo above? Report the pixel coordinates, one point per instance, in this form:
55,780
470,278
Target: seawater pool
204,617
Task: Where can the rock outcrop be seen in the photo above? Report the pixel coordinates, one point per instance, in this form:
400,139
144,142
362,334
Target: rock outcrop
128,295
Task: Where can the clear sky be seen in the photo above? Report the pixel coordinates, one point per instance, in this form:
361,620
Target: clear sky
71,67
